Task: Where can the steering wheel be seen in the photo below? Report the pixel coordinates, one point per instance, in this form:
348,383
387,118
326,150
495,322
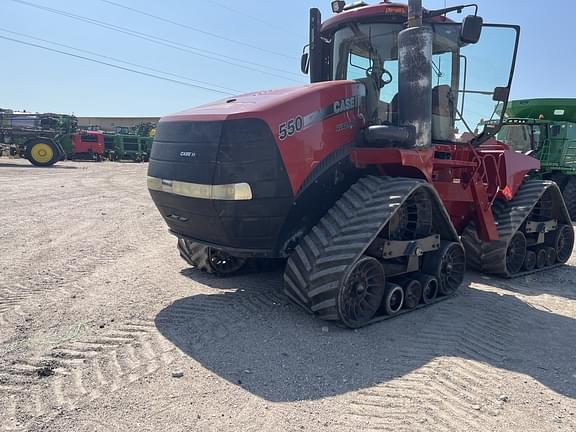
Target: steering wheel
385,73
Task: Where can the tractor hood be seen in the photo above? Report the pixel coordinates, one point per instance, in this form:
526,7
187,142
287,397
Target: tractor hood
306,123
228,173
261,104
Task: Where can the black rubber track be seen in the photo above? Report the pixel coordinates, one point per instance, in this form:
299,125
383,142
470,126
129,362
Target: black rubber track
319,263
569,193
490,257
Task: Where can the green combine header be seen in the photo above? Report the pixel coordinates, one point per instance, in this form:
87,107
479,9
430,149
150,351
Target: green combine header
546,129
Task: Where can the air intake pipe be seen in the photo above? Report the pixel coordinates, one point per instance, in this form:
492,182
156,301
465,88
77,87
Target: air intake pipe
415,77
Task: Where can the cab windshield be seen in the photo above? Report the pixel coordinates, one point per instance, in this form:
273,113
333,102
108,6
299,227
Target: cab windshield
465,83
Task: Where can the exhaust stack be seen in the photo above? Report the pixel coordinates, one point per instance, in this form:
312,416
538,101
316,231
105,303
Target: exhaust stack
415,77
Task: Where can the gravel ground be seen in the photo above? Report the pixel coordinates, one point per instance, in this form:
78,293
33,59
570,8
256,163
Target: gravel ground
104,328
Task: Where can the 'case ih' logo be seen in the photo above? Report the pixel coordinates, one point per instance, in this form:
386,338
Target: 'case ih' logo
344,105
188,154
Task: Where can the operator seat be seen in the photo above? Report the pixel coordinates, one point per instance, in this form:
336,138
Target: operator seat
372,98
442,113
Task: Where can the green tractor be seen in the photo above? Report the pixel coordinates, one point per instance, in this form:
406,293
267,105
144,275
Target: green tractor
146,131
546,129
40,138
110,146
123,145
130,143
146,146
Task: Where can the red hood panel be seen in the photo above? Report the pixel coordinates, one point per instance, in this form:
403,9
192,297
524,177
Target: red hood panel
309,123
254,105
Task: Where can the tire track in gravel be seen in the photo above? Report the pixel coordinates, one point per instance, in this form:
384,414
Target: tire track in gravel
221,315
74,251
77,372
72,260
453,392
92,367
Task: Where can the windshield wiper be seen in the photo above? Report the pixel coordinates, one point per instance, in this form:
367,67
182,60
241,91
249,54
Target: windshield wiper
438,12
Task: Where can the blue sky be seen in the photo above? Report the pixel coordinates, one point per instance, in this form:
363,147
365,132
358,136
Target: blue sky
36,80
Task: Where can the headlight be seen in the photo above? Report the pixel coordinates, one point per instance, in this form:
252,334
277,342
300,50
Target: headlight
227,192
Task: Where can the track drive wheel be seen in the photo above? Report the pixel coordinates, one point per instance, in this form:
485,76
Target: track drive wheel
563,242
361,292
447,265
41,152
209,259
413,219
516,253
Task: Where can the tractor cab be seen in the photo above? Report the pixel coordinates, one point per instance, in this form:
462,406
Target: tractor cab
552,142
525,136
465,82
544,127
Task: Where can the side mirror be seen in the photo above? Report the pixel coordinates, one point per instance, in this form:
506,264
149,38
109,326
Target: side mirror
471,29
501,94
305,62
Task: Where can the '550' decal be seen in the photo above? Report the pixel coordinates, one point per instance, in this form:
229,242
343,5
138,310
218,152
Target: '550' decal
291,127
296,124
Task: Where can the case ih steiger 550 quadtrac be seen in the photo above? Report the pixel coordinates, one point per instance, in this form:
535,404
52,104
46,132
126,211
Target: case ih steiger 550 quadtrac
379,181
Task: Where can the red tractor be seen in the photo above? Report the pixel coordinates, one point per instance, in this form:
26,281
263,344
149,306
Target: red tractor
379,181
88,144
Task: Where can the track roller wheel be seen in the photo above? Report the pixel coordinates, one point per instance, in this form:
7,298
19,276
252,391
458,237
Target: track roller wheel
412,291
361,292
550,256
447,265
541,258
563,242
429,287
393,299
516,253
529,261
209,259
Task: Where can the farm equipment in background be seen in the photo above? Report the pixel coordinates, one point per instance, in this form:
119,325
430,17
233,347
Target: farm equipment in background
379,181
546,129
88,145
146,147
146,131
36,137
110,146
45,139
130,143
